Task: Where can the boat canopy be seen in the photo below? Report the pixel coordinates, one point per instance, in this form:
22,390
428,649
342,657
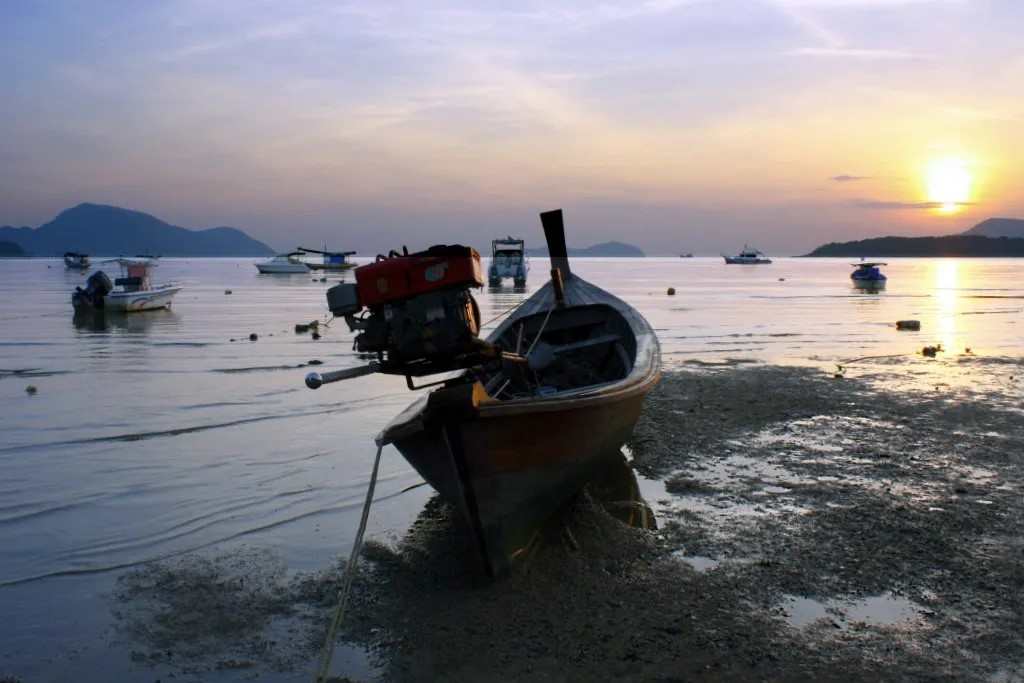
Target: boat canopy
508,245
342,254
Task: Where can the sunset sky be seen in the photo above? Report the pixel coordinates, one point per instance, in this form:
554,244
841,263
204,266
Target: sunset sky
671,124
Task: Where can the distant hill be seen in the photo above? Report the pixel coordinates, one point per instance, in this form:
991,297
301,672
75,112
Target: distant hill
999,227
110,231
949,245
11,249
602,249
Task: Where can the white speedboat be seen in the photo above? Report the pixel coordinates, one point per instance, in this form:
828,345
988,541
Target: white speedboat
131,292
508,260
284,263
748,256
76,261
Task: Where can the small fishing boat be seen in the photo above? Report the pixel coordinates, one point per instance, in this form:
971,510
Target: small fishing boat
131,292
686,255
329,260
748,257
541,402
284,263
508,260
867,275
76,261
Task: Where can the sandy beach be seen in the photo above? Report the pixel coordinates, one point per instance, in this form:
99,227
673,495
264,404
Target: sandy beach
810,528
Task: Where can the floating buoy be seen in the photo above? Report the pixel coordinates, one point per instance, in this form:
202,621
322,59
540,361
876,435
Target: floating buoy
671,291
227,291
253,337
908,325
31,390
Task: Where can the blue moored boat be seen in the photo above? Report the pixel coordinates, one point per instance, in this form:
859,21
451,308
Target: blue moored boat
868,275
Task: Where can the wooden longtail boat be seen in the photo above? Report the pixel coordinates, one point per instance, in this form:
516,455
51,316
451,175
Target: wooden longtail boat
510,447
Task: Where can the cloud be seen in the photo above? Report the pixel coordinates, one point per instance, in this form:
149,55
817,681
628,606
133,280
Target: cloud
879,204
844,178
853,53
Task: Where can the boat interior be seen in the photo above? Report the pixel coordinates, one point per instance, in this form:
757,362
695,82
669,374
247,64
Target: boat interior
569,349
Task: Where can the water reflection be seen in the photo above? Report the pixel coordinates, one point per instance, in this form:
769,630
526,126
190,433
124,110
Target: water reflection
947,294
132,323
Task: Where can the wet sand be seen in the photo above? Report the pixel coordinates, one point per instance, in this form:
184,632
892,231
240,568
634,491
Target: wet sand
811,528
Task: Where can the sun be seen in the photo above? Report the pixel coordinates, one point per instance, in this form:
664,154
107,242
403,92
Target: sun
949,183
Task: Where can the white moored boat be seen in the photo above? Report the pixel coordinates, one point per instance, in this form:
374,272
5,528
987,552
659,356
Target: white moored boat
131,292
748,256
284,263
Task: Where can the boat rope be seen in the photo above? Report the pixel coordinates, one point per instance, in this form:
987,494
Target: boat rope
539,332
501,315
347,576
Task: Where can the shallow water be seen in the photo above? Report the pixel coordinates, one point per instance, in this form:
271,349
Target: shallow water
154,434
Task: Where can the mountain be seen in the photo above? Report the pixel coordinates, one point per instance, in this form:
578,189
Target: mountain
950,245
999,227
11,249
111,230
603,249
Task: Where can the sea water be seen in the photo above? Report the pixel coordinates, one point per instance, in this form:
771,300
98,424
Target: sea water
155,434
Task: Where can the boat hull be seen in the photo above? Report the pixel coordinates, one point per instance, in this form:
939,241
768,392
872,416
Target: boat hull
739,261
508,465
331,266
131,302
508,469
279,269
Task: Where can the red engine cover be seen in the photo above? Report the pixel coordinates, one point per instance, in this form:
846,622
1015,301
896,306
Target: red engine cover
402,277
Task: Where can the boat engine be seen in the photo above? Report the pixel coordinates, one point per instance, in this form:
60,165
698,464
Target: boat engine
96,289
416,312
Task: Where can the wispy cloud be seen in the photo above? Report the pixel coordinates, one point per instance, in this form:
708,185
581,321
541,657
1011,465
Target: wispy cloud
853,53
844,178
879,204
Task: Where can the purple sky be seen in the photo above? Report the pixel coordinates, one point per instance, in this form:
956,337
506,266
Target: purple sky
672,124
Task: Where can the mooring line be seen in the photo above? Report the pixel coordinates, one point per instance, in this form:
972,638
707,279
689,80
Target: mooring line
346,578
